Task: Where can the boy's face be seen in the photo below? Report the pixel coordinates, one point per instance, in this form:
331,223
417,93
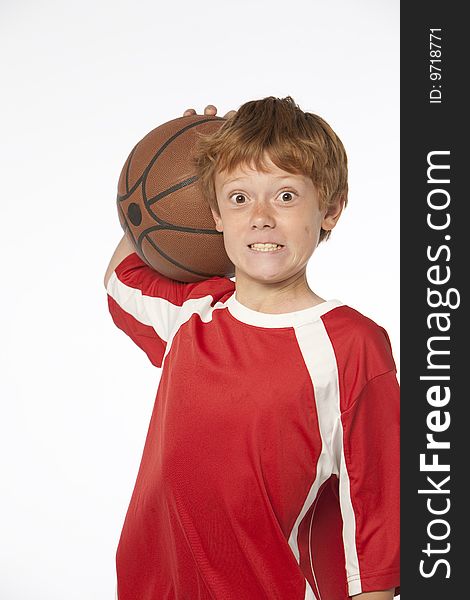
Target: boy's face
277,207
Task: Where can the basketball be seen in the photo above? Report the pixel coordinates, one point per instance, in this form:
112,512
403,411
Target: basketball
161,207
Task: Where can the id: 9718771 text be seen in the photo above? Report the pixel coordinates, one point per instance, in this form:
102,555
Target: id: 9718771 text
435,71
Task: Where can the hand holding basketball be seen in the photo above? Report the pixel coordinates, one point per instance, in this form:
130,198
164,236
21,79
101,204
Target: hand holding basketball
209,110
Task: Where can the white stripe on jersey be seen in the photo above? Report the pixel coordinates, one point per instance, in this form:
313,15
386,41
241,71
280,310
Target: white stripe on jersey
320,360
148,310
159,313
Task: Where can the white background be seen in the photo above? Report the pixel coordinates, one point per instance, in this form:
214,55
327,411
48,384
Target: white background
82,82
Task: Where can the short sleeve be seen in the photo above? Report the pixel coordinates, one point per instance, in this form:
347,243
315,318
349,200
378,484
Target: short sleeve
369,486
145,304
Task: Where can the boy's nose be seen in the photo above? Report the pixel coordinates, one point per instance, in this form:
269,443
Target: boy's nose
261,216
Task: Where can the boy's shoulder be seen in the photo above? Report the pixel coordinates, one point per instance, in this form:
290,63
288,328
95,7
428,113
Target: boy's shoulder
357,326
220,288
362,347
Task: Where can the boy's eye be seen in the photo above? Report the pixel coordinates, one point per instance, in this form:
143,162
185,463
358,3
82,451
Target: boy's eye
237,196
240,197
283,194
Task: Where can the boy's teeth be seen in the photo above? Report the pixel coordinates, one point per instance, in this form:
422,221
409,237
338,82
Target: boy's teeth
264,247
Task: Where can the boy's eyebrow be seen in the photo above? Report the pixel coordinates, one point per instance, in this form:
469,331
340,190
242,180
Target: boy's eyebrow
240,178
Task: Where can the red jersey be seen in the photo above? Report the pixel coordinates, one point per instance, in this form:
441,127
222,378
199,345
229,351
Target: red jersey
271,464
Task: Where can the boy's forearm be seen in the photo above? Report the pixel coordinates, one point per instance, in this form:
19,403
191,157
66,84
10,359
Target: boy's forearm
123,249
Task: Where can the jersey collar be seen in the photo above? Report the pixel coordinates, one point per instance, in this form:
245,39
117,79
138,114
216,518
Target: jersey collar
290,319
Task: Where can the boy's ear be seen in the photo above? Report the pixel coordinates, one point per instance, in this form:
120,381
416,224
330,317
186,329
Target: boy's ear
332,215
217,219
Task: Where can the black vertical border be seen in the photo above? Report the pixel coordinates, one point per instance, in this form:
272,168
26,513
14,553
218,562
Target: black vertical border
427,127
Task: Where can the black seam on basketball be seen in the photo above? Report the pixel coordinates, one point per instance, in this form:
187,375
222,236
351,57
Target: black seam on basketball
157,154
172,189
172,227
129,230
129,166
177,264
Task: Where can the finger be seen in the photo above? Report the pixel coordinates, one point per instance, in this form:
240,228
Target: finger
231,113
188,112
210,110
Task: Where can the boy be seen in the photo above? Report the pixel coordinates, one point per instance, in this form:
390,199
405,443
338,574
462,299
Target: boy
271,464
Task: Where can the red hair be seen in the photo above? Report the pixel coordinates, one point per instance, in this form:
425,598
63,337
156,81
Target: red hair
296,141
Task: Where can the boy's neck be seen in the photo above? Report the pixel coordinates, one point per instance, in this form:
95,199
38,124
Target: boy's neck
275,298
